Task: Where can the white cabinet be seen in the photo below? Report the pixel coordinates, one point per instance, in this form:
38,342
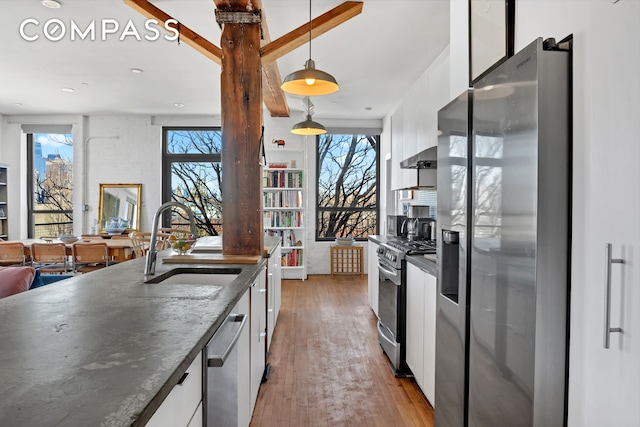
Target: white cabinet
283,192
396,149
415,323
372,275
258,333
274,294
182,407
430,296
421,328
414,123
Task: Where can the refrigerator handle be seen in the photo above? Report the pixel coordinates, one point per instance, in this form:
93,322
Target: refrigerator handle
607,300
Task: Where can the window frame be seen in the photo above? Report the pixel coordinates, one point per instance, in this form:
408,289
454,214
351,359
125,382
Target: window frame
318,209
169,158
31,212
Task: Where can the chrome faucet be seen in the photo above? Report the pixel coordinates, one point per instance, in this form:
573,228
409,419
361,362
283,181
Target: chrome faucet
150,266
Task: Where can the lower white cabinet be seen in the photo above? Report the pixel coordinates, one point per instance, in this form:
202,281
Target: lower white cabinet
372,275
197,419
258,332
181,406
274,291
421,328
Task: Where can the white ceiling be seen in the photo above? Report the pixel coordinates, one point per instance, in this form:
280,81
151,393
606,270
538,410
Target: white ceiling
375,57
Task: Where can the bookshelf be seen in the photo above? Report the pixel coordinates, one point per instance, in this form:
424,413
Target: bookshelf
283,201
4,223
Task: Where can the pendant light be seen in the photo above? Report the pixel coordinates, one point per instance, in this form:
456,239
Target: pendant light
310,81
308,127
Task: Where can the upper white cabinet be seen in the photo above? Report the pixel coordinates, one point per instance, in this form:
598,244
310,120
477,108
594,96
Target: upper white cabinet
415,121
396,149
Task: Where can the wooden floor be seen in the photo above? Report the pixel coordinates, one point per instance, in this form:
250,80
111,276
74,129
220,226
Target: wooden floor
327,368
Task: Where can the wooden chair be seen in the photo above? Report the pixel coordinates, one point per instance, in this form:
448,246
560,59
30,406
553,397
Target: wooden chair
140,241
90,256
12,253
120,236
91,237
49,257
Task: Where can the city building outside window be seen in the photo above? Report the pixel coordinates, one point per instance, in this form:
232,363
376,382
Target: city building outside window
50,184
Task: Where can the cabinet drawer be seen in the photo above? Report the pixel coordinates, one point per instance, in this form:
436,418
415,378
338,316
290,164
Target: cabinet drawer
180,405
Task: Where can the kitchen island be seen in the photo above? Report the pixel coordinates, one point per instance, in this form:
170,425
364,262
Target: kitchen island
106,348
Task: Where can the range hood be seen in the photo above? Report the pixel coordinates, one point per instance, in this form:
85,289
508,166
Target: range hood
427,159
425,163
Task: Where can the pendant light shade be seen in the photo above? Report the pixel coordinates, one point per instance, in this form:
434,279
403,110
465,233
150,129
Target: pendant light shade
310,81
308,127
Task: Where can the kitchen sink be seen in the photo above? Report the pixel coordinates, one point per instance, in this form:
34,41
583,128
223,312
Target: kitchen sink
197,276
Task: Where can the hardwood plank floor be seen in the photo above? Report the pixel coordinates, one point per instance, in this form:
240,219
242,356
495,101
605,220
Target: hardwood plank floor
327,368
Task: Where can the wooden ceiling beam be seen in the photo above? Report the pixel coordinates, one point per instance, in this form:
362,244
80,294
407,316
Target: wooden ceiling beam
272,95
187,35
320,25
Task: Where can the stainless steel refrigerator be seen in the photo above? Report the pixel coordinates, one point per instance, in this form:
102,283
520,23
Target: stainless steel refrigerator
503,247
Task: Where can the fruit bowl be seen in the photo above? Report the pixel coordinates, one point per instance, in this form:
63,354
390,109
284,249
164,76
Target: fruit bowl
182,245
67,238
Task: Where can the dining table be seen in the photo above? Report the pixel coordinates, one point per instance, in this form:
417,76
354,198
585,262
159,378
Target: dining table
119,249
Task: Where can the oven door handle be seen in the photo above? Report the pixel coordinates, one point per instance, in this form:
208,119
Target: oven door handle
393,273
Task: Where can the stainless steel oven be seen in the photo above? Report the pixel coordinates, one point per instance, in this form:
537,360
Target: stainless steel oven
392,297
392,307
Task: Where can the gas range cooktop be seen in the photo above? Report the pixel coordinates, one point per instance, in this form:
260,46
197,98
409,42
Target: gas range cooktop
413,247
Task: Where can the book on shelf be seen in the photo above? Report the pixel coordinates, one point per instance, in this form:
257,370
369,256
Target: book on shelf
282,219
292,258
288,236
282,179
282,199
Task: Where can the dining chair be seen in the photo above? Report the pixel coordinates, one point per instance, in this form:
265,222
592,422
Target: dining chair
90,256
140,241
91,237
49,257
12,253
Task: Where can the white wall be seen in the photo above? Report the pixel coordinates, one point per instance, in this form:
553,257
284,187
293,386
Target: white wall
602,390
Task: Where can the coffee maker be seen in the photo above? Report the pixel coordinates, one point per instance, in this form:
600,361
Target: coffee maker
412,223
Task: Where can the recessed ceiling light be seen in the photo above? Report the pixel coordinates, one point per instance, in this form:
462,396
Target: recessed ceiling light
18,104
137,71
368,108
51,4
67,89
179,104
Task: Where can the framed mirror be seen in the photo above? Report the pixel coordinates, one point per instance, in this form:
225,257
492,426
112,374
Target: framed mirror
120,201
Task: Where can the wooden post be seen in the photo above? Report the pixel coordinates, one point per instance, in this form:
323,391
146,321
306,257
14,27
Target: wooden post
241,131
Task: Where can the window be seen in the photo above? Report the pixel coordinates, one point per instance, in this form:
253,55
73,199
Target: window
347,191
50,184
192,175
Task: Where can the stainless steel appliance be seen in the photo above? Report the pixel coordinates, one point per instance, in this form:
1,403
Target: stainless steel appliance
392,302
222,394
419,211
394,225
503,246
426,229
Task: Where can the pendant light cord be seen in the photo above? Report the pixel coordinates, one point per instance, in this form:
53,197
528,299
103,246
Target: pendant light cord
310,29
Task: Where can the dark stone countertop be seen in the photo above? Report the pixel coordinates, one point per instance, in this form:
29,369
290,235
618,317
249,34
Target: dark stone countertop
106,348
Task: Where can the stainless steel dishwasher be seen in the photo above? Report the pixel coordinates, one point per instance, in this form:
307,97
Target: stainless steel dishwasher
222,374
